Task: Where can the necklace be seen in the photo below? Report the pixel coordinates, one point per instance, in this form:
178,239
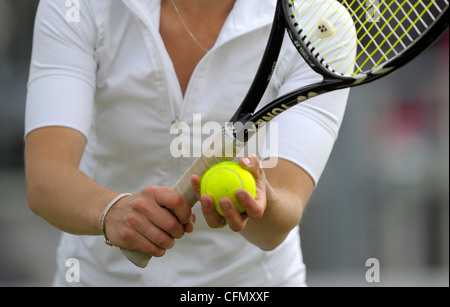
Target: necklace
187,28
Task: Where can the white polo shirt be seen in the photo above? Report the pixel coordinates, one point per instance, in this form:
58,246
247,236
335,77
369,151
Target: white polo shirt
109,76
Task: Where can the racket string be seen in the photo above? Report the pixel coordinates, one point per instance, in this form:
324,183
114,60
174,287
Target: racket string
367,33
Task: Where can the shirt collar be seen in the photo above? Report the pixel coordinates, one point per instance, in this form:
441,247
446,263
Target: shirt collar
246,16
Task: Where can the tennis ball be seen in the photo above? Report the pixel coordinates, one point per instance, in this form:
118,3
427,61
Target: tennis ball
223,180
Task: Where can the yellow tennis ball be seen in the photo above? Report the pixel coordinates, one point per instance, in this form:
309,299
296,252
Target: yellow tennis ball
223,180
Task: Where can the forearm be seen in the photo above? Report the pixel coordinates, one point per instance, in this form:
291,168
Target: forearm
286,190
283,213
67,198
57,190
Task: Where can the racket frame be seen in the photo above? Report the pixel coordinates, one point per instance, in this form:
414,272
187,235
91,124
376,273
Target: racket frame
331,80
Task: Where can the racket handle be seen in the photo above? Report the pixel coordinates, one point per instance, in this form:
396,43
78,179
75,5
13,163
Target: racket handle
223,148
138,258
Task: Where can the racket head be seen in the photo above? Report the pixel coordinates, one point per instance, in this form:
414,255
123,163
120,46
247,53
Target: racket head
359,41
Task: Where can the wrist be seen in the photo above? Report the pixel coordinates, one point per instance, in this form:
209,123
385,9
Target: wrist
105,213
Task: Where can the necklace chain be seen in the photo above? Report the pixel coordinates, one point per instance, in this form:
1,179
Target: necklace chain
187,28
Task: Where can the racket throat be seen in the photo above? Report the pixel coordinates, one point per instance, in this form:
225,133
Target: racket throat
265,71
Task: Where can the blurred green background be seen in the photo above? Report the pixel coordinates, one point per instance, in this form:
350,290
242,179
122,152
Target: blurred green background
384,194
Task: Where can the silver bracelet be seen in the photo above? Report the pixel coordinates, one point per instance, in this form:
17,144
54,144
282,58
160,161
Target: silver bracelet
105,213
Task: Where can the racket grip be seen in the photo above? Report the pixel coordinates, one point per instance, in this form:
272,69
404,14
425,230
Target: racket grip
138,258
223,148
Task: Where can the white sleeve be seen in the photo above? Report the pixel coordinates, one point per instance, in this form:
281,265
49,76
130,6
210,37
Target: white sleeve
307,132
62,74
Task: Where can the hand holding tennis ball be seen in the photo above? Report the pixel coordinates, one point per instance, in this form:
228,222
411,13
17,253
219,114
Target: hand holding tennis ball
223,180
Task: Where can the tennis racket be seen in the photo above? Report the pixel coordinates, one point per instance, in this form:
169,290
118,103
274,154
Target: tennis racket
349,43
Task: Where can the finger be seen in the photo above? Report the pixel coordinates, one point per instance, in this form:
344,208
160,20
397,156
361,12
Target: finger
143,244
252,164
196,184
235,220
152,232
189,227
146,209
166,221
177,204
213,219
254,208
135,239
156,236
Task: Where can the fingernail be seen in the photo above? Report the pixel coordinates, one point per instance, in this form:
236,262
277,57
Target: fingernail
224,205
240,197
246,161
204,202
